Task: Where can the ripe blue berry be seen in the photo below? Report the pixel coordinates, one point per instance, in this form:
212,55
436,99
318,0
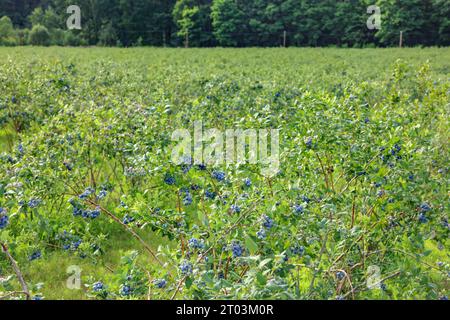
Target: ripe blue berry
340,275
425,207
195,244
160,283
187,200
98,286
35,255
267,222
125,290
235,208
102,194
169,180
186,267
261,234
127,219
218,175
4,219
298,209
34,203
309,142
86,193
298,250
423,218
210,194
236,249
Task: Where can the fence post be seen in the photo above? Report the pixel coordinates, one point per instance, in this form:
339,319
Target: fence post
186,42
284,38
401,39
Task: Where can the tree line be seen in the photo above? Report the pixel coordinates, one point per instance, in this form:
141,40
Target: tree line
229,23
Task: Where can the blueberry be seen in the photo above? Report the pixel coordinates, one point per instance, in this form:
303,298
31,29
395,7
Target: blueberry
187,200
381,193
423,218
4,219
34,203
87,192
98,286
160,283
169,180
218,175
298,209
210,194
125,290
236,249
195,244
425,207
102,194
127,219
309,142
267,222
340,275
235,208
94,213
298,250
76,244
247,182
35,255
186,267
261,234
306,199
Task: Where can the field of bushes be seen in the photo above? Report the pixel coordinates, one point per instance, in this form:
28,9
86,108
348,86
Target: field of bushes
89,194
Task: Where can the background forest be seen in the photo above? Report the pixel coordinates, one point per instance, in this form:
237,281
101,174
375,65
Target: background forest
229,23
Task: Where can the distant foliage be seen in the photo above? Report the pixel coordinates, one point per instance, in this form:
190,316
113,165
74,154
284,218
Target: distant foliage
39,36
237,23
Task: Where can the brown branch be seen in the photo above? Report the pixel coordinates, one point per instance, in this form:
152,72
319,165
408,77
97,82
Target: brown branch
130,230
16,270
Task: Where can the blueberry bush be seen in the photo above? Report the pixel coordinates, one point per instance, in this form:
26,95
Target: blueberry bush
358,210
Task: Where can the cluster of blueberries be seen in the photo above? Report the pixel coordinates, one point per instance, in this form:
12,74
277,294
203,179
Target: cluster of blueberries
70,241
187,196
125,290
219,175
128,219
424,209
34,203
98,286
394,152
35,255
186,267
160,283
235,208
4,219
267,224
196,244
79,211
237,249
